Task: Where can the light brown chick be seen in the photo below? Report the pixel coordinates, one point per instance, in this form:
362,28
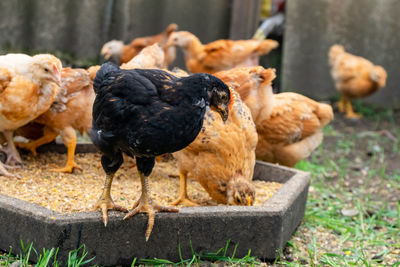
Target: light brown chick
221,54
28,87
123,53
289,125
354,77
222,157
71,111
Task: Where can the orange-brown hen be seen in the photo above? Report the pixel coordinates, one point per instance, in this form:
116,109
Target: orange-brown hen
72,110
354,77
221,54
123,53
288,124
222,157
28,86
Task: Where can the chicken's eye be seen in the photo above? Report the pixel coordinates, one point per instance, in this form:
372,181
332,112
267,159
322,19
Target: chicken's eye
224,97
237,199
46,69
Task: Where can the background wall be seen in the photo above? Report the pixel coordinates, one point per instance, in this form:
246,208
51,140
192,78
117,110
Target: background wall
368,28
80,27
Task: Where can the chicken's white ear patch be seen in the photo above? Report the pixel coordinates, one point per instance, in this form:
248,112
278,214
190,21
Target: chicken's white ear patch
200,103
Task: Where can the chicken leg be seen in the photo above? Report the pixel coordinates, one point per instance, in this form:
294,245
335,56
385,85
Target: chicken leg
350,114
183,197
48,136
145,204
69,139
105,201
341,104
4,172
13,156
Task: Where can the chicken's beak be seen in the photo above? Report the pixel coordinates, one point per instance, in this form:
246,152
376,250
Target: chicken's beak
107,56
57,76
223,112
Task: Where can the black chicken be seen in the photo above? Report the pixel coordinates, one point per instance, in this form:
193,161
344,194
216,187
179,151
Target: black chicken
146,113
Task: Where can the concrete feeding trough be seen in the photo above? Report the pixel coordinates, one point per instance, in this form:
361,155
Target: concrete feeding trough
263,229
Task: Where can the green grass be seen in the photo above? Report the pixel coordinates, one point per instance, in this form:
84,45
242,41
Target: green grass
77,258
369,237
48,257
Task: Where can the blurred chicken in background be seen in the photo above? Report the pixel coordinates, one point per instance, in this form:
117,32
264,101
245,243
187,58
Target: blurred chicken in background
221,54
29,85
289,125
354,77
121,53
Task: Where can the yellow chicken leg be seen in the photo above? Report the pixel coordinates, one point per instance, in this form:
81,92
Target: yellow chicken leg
105,201
145,204
350,114
48,136
183,197
69,167
341,104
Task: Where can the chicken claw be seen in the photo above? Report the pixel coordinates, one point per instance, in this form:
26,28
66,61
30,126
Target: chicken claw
183,197
145,204
105,201
4,172
107,204
68,168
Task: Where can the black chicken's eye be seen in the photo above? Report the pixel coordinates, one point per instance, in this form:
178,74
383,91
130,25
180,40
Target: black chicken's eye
224,97
46,69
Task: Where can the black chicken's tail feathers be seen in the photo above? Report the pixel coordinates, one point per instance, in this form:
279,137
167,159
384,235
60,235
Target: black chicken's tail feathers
102,79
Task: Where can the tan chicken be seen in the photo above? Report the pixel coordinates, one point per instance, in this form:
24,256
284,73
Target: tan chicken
72,110
221,158
221,54
289,125
354,77
123,53
28,88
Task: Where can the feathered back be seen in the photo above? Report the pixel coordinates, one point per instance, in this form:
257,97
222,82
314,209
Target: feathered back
101,73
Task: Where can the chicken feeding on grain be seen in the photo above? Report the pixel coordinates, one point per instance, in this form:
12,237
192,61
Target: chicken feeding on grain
71,110
289,125
219,55
28,88
122,53
222,157
354,77
146,113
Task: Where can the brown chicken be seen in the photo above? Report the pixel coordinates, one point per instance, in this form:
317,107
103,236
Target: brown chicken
289,125
221,54
72,110
28,88
123,53
221,158
354,77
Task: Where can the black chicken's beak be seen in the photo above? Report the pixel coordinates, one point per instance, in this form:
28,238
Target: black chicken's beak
224,112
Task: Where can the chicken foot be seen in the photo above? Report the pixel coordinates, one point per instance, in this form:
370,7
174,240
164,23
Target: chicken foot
183,196
105,201
69,167
350,114
145,204
4,172
11,151
48,136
